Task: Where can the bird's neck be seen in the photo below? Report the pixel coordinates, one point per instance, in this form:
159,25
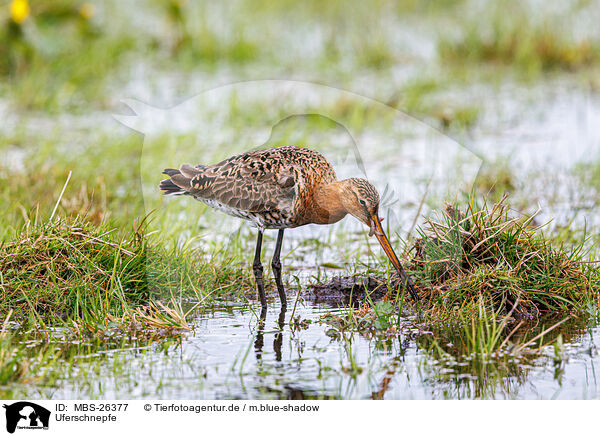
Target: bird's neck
328,203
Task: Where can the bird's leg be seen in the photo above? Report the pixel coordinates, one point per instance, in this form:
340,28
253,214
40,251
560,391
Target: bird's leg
258,271
278,341
276,264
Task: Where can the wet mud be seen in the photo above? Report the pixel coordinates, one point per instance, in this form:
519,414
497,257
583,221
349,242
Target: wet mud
346,290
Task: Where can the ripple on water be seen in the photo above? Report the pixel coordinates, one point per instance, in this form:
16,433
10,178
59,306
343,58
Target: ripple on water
232,353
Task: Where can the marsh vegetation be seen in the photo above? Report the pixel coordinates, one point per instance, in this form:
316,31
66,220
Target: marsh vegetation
108,291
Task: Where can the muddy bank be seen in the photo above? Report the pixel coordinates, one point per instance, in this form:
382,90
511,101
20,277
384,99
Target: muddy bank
346,290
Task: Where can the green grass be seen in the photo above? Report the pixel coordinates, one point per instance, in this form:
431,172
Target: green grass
100,49
194,39
532,45
89,270
489,356
420,98
485,254
65,56
493,289
482,354
24,364
70,272
487,264
104,186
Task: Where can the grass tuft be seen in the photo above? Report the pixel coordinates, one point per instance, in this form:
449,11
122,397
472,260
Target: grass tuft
71,272
485,255
70,268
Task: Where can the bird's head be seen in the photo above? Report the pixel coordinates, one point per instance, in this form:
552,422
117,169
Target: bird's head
361,200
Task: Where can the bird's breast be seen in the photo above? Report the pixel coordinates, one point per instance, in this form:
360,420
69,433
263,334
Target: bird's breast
319,207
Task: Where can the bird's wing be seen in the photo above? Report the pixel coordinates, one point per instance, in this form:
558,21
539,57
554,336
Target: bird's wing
240,186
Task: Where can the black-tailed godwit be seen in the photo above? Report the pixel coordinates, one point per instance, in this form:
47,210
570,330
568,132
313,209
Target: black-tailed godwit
281,188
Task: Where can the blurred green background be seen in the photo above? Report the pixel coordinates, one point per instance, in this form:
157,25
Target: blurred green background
65,65
76,55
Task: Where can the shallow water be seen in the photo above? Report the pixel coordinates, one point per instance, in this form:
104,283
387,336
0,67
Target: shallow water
543,130
233,354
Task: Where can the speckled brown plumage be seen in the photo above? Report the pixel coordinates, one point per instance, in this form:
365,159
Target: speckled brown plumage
279,188
273,188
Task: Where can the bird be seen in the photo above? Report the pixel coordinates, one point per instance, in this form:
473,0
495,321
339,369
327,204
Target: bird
282,188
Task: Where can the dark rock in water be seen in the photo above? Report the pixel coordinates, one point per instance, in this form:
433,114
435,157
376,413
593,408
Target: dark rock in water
344,290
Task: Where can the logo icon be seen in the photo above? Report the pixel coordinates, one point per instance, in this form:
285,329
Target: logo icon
26,415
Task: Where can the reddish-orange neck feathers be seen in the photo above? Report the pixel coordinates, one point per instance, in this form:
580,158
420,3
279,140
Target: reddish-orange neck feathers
330,202
328,206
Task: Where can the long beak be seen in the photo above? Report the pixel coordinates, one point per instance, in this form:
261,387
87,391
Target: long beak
377,230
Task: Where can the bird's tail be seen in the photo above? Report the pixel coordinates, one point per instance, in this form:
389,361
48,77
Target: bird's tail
179,181
170,188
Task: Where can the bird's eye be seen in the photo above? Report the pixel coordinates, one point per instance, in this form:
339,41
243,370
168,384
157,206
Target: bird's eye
362,202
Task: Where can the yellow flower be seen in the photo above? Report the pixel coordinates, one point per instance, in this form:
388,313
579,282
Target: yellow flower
87,10
19,10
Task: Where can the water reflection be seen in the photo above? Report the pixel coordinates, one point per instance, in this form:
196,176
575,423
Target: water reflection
237,351
458,366
277,342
